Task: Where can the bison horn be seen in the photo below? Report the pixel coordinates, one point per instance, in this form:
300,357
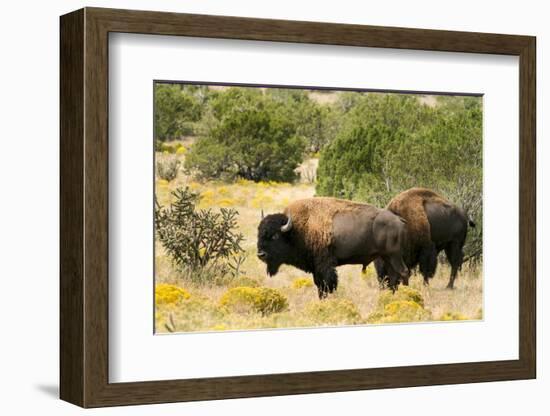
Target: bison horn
288,226
262,214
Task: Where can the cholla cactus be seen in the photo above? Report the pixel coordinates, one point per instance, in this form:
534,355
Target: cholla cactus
199,240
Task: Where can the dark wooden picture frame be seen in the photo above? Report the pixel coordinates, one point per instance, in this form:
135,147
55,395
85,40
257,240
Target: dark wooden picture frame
84,207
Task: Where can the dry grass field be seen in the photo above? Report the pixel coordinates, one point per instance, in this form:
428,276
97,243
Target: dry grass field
185,305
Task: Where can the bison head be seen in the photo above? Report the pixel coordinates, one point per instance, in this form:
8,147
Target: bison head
274,244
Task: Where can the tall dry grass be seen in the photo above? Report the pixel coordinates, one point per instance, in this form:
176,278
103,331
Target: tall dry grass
203,312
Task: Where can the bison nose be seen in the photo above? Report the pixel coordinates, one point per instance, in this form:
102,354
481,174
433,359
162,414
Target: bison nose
261,254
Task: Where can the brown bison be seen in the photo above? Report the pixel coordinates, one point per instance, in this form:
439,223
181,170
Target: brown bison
433,224
318,234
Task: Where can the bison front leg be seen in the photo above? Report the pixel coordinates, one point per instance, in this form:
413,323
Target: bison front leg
397,271
381,272
428,262
325,278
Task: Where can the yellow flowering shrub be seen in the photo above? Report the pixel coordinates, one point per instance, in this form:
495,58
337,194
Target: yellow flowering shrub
244,281
261,200
181,150
405,293
166,294
194,185
479,314
244,182
400,311
453,316
226,202
168,148
301,282
223,191
195,314
333,312
162,182
207,199
254,299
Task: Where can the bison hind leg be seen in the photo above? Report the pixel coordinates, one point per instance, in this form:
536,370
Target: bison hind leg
455,256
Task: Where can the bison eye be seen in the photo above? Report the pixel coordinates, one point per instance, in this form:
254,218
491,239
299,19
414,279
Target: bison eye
275,237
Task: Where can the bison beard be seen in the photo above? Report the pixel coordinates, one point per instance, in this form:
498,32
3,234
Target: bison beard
276,247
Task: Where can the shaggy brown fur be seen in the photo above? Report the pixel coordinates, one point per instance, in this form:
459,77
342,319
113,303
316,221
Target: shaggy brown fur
312,217
410,206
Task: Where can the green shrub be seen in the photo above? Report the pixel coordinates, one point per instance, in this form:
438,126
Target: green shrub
317,124
176,107
333,312
249,137
388,143
167,168
262,300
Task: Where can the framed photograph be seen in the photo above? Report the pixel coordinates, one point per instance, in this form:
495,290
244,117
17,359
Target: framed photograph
255,207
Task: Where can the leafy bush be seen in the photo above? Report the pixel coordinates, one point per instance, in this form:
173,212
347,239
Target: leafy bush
166,294
176,109
249,137
392,142
333,312
262,300
167,168
202,242
317,124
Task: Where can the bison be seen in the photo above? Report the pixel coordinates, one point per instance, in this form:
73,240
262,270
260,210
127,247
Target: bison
318,234
433,224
